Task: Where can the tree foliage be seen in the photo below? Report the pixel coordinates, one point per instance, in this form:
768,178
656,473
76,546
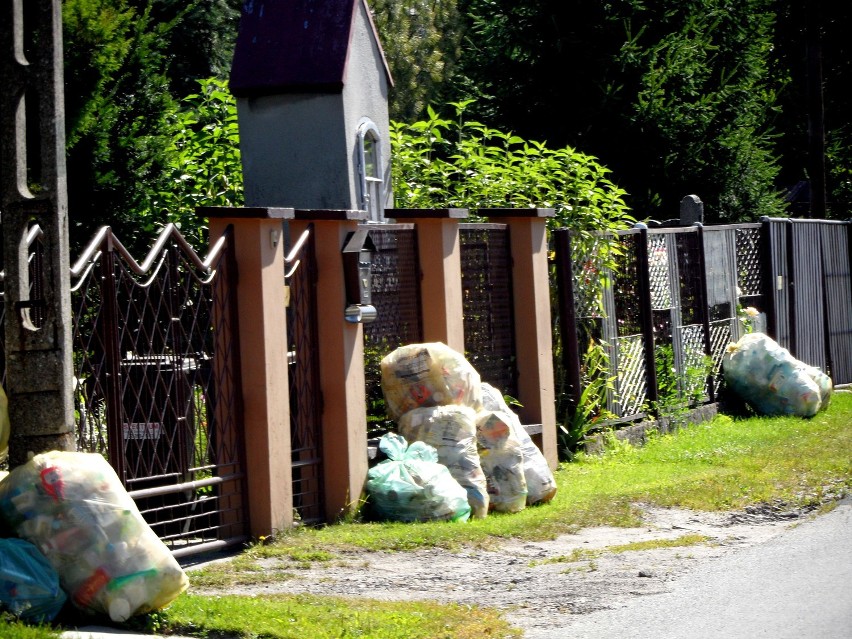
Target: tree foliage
127,63
676,98
203,161
421,41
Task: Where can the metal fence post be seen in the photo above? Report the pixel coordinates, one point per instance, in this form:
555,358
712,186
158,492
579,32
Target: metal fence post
567,317
705,311
646,314
112,355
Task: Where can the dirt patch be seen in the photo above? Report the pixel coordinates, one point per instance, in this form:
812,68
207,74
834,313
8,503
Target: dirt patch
537,584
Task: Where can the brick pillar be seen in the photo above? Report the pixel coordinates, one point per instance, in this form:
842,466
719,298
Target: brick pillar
340,347
533,331
440,271
259,247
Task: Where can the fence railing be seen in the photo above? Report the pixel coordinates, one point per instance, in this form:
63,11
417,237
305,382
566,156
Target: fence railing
489,324
155,359
656,323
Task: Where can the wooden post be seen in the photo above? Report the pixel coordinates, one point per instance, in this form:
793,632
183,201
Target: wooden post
533,332
341,360
259,250
440,271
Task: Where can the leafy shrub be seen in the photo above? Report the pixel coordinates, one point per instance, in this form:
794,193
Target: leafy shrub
441,162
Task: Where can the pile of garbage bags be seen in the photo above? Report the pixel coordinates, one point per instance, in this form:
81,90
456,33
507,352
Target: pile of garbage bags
774,382
437,398
78,527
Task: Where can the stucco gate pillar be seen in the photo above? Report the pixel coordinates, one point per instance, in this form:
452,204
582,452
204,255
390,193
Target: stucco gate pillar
533,329
340,346
261,297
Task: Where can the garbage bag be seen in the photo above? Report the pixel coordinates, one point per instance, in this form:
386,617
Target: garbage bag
423,375
5,428
541,485
502,462
29,586
774,382
412,486
452,432
73,507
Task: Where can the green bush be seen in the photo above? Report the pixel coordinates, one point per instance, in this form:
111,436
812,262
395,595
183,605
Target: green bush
440,162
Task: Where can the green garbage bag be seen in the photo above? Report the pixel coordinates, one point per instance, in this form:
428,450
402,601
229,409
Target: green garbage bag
412,486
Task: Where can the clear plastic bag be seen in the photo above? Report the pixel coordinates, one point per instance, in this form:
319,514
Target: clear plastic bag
502,461
412,486
452,432
424,375
29,586
541,485
774,382
73,507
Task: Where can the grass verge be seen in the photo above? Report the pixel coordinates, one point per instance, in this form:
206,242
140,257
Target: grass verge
720,465
13,629
280,617
724,464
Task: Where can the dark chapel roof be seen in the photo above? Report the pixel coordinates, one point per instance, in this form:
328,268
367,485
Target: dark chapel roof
295,46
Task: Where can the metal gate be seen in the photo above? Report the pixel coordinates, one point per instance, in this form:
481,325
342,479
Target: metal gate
809,289
305,397
157,384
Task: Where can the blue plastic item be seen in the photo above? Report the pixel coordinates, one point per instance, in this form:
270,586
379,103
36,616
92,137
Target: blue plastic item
29,586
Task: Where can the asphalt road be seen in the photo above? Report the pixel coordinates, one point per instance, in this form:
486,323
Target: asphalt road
797,585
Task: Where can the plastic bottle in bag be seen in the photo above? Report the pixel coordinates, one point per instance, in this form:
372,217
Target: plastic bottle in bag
774,382
412,486
502,461
73,507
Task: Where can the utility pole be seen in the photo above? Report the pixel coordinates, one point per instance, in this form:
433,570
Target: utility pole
33,191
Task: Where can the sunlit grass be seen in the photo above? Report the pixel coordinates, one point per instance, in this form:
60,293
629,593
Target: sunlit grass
11,629
584,554
303,616
720,465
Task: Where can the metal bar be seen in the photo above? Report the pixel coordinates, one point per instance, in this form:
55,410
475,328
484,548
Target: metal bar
647,315
567,317
791,279
188,485
209,546
767,278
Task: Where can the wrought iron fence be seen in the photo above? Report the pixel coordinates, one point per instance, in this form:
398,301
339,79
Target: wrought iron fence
303,361
396,295
157,383
489,326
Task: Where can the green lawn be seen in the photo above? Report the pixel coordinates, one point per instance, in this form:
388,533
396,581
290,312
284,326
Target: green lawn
720,465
